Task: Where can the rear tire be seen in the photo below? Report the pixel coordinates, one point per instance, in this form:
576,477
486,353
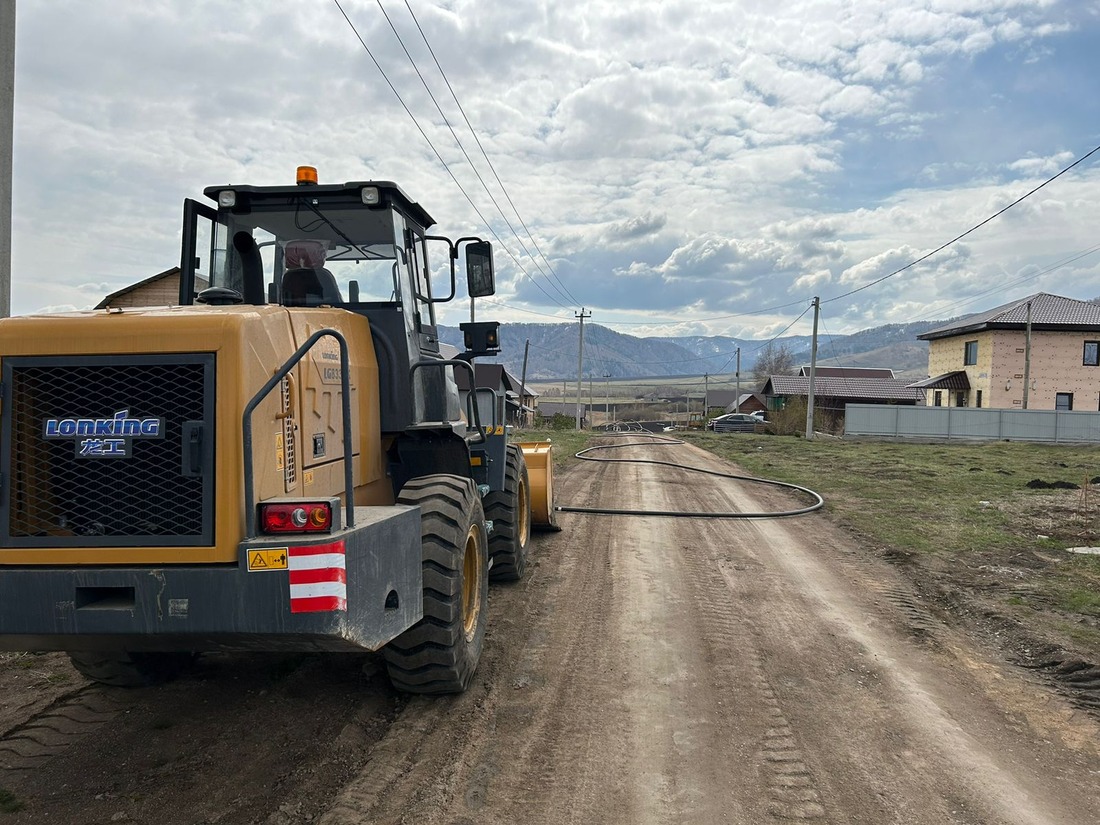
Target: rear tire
510,511
439,654
121,668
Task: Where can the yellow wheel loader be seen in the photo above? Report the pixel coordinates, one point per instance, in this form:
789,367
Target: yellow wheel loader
280,462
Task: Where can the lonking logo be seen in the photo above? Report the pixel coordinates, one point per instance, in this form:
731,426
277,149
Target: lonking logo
104,437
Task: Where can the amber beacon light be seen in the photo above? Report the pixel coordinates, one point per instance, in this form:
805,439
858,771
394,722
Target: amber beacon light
307,176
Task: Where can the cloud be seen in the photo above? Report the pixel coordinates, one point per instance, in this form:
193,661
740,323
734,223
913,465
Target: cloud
675,163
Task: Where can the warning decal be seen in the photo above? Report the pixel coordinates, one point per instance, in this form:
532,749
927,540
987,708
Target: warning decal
273,559
318,578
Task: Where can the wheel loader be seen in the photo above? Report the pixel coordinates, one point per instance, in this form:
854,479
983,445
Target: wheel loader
282,461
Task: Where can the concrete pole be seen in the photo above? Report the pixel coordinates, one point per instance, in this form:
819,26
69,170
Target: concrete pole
580,362
607,398
813,370
737,398
7,127
523,384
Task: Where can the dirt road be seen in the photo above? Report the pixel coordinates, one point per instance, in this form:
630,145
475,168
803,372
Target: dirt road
646,671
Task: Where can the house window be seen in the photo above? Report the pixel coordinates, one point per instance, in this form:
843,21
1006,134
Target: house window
978,399
970,355
1091,357
937,398
1063,401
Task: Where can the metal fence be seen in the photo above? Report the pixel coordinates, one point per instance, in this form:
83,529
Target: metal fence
888,421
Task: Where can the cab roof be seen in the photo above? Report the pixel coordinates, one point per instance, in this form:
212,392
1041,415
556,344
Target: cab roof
391,195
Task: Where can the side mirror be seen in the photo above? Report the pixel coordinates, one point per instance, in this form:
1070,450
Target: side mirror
479,269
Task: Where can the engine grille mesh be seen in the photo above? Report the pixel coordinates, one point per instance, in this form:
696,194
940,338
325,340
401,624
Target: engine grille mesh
57,497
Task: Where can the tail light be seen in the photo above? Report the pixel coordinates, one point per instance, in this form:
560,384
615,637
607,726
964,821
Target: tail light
296,517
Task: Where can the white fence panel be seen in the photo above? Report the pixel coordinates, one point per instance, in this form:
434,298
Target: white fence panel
892,421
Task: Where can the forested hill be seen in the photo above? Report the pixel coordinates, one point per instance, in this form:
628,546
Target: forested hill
553,351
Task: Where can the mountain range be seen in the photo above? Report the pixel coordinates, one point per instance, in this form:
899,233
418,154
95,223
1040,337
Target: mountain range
552,354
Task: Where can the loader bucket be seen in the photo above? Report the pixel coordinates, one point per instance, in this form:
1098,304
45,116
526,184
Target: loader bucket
540,475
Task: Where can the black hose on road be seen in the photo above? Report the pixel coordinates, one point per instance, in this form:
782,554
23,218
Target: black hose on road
661,441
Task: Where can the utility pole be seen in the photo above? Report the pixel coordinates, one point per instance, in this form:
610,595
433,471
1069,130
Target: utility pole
737,374
607,397
7,125
523,383
1027,355
580,360
706,393
813,370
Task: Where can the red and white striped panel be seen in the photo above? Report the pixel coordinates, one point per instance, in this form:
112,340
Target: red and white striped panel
318,578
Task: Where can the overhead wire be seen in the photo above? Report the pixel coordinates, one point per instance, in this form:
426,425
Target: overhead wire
492,167
969,231
918,260
437,154
889,275
454,134
562,290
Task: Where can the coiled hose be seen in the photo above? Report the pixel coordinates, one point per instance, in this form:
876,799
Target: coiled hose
662,441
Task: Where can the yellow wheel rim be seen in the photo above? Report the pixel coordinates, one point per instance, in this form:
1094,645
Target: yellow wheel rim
471,581
523,517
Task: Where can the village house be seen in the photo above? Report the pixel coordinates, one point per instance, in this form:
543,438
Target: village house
983,360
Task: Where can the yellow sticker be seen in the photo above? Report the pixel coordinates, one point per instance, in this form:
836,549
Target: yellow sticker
307,477
274,559
280,460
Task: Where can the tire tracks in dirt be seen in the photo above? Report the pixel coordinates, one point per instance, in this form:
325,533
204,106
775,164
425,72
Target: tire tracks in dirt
58,727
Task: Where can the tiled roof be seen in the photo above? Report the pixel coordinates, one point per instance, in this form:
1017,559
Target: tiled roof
892,389
848,372
1047,311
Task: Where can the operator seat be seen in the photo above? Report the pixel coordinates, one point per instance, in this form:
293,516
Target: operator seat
309,287
306,282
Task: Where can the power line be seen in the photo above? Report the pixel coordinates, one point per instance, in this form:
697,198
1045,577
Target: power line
791,324
438,156
492,168
898,271
1002,286
454,134
958,238
707,320
520,309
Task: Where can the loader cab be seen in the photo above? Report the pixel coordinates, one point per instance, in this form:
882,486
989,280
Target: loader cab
361,246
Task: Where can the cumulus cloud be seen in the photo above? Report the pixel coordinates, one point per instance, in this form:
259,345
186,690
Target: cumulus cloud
674,163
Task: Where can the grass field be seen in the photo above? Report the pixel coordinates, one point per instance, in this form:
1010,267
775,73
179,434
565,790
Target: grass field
965,510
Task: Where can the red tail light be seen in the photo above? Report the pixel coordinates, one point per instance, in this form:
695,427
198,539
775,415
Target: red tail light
296,517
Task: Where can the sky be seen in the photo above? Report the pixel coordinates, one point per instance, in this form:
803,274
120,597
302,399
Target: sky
674,168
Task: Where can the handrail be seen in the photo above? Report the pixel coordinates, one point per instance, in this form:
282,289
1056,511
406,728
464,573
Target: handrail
246,424
455,362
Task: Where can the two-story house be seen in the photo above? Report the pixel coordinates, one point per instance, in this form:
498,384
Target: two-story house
981,360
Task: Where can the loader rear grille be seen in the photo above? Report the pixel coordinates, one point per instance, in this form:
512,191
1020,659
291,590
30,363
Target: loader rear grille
107,451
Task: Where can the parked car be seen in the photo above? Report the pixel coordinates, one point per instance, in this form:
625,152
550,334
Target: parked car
759,416
733,423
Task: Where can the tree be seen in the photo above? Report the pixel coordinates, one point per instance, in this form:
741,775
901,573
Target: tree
774,359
